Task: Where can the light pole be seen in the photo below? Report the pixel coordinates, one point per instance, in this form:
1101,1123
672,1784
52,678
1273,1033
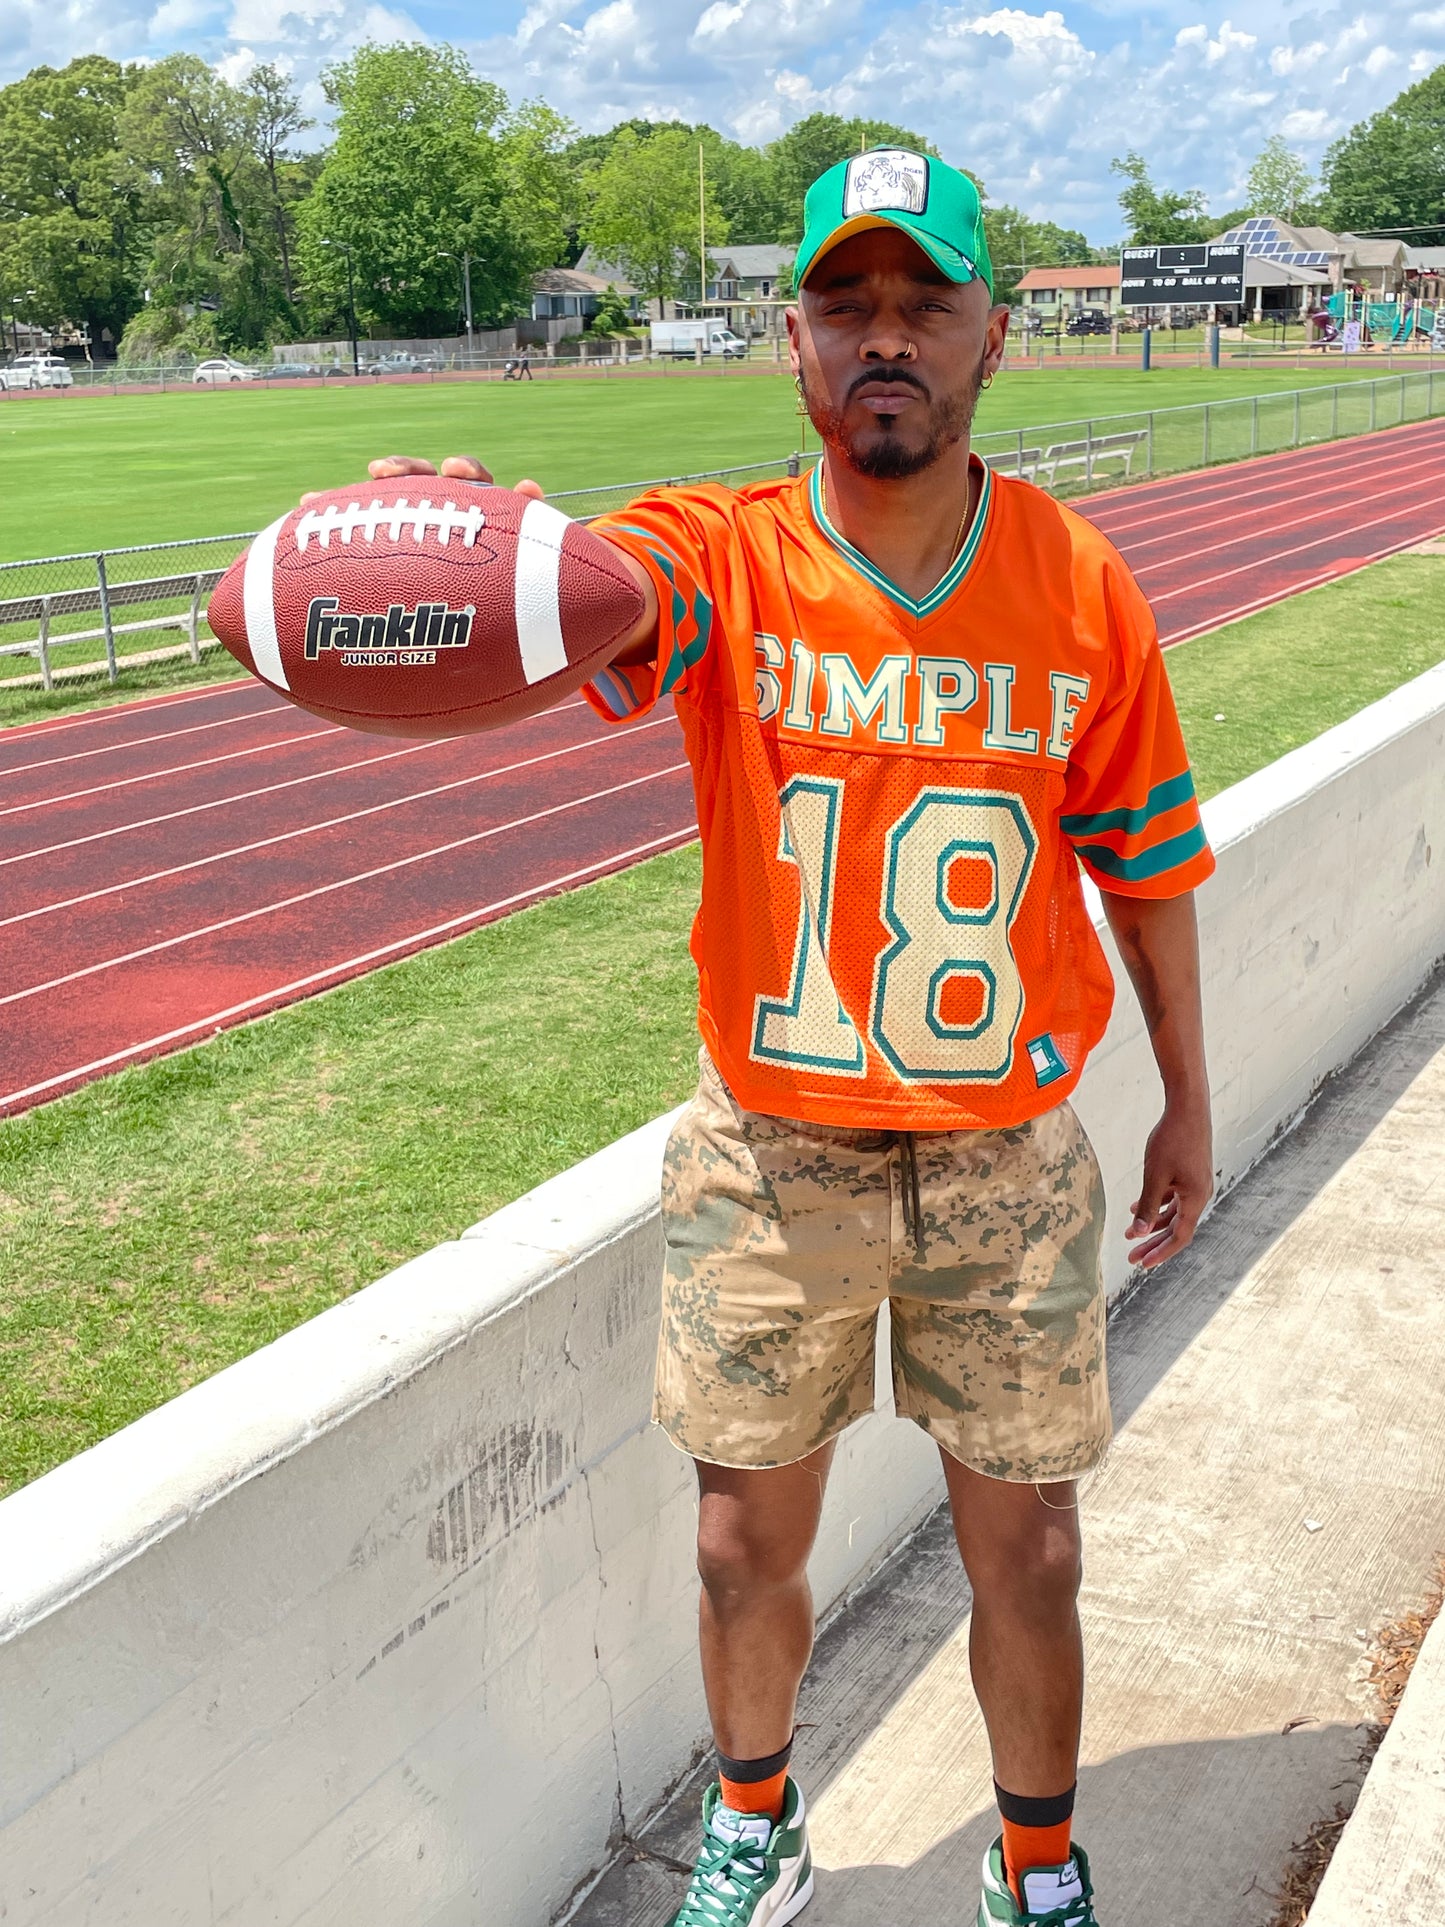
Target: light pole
466,267
345,247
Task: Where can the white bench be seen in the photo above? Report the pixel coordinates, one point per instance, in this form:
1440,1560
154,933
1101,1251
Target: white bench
1089,456
1020,462
42,610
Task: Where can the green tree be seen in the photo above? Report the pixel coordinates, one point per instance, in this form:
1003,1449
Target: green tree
416,176
1158,216
275,119
189,139
643,212
813,145
747,188
1278,182
1389,170
544,192
1016,243
70,228
612,315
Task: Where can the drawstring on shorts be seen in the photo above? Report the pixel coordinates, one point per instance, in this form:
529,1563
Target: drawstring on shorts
912,1197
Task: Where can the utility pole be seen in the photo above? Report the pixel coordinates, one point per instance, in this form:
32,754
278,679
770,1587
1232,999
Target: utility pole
345,247
467,286
701,234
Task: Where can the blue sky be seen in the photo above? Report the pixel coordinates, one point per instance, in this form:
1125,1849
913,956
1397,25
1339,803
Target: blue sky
1035,99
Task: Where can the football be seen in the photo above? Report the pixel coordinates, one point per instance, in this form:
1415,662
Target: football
424,607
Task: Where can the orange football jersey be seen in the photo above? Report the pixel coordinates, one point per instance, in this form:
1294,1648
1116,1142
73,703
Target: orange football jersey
895,797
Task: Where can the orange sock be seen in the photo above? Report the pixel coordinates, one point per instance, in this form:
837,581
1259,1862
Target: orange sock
755,1796
1025,1847
1036,1832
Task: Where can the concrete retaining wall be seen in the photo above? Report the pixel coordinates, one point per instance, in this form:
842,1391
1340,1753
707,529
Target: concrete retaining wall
1389,1867
393,1621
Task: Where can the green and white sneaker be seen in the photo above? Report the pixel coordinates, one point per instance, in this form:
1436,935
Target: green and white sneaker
752,1871
1053,1896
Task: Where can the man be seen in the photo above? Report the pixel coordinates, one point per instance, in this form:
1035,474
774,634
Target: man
915,698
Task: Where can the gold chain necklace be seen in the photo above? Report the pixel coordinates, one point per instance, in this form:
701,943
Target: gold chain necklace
962,524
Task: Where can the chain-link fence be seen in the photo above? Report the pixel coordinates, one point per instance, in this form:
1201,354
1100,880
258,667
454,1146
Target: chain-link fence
1071,457
109,614
601,357
91,617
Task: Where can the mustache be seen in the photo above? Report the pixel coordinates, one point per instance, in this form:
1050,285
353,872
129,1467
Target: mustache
904,377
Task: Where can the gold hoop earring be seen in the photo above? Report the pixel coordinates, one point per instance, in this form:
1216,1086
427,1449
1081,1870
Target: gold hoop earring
801,406
987,382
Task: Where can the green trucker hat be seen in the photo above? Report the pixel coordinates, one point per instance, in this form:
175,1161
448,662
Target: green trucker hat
893,187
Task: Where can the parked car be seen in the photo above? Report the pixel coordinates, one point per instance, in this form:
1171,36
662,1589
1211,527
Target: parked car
401,363
223,369
1088,321
37,371
292,370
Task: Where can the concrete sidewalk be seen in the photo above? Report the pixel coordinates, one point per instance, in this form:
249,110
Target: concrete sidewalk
1277,1489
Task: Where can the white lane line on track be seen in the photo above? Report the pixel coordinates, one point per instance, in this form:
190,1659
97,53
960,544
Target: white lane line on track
1431,461
309,829
139,742
340,883
175,769
1263,561
217,802
1191,486
1223,575
246,796
352,964
117,712
1167,641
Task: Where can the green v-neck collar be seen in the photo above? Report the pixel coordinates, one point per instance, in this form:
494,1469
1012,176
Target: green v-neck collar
943,589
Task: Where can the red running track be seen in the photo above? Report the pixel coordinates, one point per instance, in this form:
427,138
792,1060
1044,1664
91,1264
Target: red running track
174,866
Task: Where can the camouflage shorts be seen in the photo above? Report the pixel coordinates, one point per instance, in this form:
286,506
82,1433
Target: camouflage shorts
784,1239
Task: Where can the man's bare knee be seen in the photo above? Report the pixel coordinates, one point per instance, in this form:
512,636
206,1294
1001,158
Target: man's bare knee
755,1530
737,1557
1033,1573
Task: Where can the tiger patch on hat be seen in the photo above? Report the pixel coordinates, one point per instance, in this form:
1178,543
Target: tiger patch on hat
889,179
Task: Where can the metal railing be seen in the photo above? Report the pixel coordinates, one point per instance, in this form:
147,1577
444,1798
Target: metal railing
109,597
766,356
116,596
1072,457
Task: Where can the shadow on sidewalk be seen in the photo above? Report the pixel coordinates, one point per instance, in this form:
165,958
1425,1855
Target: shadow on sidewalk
1134,1809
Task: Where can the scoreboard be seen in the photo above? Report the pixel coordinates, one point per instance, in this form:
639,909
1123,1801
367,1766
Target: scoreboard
1193,272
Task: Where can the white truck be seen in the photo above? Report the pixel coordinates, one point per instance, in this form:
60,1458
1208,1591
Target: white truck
681,339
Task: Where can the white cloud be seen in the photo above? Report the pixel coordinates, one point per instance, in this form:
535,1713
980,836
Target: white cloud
1036,98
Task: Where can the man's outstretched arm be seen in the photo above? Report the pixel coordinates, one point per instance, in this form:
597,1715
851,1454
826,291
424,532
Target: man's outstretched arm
1158,939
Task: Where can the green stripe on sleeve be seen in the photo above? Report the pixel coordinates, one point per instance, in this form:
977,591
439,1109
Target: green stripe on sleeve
1168,855
1163,797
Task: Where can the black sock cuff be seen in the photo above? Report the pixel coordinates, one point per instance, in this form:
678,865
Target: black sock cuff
750,1772
1022,1810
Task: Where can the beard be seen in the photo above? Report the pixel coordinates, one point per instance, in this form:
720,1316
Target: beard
881,451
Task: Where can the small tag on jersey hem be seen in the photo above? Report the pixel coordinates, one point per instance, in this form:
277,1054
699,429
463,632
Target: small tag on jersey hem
1048,1065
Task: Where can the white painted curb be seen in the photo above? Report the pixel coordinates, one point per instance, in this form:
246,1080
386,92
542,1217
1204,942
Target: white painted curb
393,1621
1389,1867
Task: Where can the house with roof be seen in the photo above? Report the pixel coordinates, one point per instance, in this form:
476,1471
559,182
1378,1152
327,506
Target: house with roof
1425,272
751,272
1292,268
1069,288
559,293
748,285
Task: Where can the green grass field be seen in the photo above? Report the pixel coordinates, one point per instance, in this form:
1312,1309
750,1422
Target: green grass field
97,472
168,1220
